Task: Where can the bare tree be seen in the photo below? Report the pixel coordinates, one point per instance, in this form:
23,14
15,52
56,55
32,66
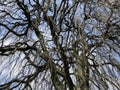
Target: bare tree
59,45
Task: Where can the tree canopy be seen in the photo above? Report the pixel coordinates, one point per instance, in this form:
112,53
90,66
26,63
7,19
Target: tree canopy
59,44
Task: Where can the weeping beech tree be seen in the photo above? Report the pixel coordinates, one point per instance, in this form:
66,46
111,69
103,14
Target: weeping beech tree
59,45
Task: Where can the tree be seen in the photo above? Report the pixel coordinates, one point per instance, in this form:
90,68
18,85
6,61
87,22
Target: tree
59,45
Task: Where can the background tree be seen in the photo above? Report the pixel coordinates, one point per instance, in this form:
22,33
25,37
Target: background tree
59,45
